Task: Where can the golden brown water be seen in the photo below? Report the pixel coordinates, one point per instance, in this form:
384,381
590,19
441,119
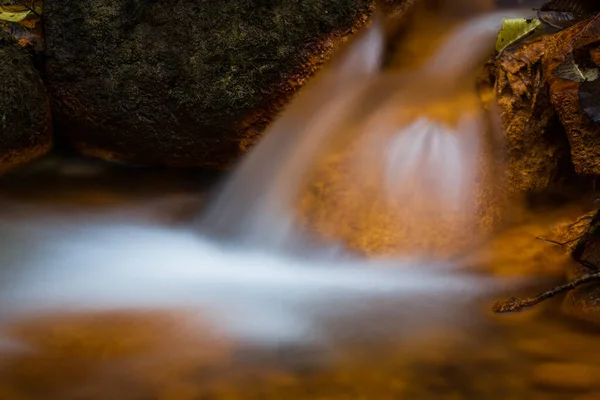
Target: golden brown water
539,354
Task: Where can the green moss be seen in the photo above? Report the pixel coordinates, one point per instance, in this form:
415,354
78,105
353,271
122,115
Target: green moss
253,46
224,52
186,71
24,112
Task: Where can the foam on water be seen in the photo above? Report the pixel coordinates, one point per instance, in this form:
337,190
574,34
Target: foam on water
255,296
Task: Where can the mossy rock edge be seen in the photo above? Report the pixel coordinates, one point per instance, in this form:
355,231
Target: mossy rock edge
183,82
25,120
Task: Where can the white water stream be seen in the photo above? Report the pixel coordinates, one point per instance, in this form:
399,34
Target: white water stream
253,274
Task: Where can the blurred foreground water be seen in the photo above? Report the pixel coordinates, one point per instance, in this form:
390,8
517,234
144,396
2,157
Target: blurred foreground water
345,258
369,344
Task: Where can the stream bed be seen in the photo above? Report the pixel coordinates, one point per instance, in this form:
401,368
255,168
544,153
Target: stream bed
131,354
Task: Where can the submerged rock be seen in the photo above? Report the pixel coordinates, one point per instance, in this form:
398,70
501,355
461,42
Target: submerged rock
566,376
184,83
25,121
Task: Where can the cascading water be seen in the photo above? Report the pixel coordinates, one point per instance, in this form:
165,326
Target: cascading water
407,141
390,149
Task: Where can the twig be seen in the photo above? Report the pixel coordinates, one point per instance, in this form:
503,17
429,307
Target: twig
584,218
513,304
559,243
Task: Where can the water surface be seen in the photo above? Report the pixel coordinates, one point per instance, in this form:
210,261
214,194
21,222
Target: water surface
378,350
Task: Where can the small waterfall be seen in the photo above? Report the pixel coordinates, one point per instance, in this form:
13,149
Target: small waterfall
362,139
365,155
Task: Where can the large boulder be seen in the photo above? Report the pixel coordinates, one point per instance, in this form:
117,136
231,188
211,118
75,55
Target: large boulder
183,82
25,121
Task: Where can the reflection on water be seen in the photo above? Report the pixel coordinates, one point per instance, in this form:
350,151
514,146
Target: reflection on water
159,353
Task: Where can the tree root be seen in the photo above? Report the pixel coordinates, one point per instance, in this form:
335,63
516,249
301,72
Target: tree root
514,304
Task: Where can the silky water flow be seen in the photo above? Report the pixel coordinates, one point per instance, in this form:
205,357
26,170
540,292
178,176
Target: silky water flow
290,248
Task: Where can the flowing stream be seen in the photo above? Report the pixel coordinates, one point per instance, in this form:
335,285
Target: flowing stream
340,260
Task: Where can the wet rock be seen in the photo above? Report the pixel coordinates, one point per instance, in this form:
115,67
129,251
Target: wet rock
184,83
569,232
547,89
25,122
582,131
587,250
538,151
566,376
584,302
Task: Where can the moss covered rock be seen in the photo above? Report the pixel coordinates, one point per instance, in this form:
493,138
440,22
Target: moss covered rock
25,123
183,82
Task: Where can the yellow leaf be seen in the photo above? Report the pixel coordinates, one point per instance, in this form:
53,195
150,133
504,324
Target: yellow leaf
514,30
13,14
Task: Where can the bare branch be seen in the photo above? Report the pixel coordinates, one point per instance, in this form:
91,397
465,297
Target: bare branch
513,304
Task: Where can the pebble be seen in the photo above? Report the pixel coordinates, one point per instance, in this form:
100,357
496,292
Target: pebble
566,376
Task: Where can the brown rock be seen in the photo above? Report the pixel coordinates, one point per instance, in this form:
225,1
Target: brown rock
538,151
583,303
569,232
583,133
587,250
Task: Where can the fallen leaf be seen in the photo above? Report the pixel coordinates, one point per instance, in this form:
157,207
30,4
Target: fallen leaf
514,30
562,14
13,14
572,71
